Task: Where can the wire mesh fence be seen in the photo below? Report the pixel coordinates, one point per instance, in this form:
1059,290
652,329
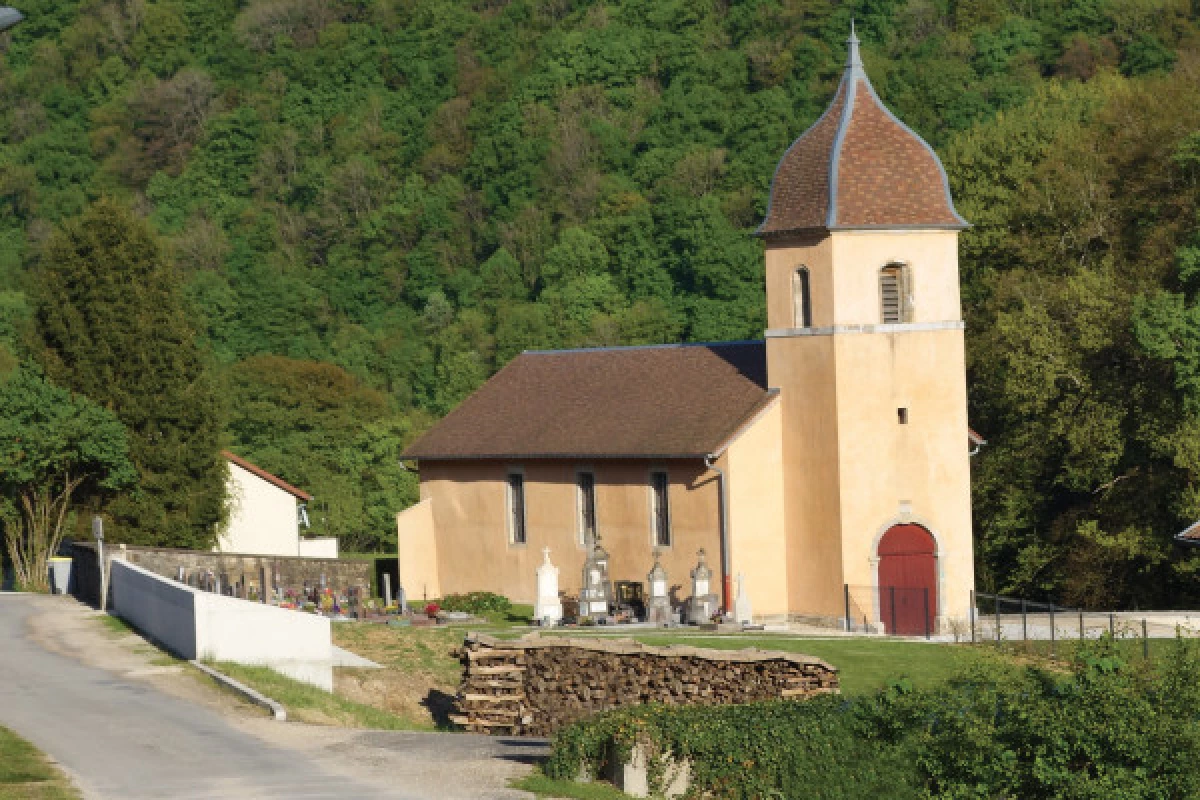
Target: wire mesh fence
914,612
1010,620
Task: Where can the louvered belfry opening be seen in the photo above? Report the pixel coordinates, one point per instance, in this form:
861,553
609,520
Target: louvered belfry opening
890,291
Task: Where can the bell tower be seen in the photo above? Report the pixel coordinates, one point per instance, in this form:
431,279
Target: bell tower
865,343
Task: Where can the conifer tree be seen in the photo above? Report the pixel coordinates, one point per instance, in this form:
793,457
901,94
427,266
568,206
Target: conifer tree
115,327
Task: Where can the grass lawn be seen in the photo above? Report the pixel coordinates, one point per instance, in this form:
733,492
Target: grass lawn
307,703
864,665
25,774
539,784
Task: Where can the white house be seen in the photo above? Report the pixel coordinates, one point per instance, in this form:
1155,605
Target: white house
265,515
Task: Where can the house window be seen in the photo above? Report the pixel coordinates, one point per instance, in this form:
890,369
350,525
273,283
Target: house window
660,509
902,416
516,508
801,302
894,294
585,483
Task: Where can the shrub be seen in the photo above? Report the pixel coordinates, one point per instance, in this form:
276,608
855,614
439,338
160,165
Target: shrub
1105,728
768,749
476,602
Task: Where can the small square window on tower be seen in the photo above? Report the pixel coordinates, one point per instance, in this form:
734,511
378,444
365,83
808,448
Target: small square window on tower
902,416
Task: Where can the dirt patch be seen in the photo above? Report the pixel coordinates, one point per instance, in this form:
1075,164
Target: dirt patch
419,676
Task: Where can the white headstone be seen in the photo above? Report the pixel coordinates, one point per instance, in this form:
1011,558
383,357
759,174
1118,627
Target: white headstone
549,608
742,610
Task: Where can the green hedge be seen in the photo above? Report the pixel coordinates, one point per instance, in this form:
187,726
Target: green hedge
1103,728
772,749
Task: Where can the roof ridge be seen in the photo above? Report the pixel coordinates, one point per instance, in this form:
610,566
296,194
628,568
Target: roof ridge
626,347
258,471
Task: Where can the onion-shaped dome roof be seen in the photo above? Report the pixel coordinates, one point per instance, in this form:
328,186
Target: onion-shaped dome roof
859,167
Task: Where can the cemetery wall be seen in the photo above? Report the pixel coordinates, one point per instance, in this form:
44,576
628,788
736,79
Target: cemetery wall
535,685
194,624
235,570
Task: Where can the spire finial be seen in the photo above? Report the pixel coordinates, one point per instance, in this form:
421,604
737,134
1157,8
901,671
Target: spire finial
852,57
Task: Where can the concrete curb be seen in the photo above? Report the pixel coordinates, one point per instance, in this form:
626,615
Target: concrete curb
277,710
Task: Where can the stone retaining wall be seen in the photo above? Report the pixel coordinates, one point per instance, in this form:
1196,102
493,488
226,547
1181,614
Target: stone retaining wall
237,573
535,685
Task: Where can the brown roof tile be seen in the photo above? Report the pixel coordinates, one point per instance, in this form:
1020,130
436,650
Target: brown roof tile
859,167
642,402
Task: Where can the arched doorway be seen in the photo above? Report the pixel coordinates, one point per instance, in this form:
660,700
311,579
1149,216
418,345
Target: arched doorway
907,580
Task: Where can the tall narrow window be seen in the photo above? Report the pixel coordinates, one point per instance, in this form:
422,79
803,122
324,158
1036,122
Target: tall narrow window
660,509
801,302
892,293
586,483
516,508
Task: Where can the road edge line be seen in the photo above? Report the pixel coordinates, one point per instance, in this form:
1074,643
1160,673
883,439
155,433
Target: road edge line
259,699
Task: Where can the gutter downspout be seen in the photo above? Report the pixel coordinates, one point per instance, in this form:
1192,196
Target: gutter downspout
726,562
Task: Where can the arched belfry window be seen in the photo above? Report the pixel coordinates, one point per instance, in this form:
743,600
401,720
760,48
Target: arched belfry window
801,298
894,294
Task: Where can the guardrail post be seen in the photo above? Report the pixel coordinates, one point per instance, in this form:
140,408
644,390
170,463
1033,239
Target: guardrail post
1112,625
846,599
1081,624
1024,623
1145,640
1052,653
996,600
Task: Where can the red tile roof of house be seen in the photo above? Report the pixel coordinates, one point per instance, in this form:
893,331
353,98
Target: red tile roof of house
638,402
266,476
859,167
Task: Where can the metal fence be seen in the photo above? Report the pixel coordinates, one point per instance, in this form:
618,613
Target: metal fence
1011,619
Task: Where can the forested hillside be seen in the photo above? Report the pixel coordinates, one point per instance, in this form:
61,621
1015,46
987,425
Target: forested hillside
373,204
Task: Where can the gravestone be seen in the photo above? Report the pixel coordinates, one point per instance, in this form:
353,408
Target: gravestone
548,610
658,607
704,602
596,596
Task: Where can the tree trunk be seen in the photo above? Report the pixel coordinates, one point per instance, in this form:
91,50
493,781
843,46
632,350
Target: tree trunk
33,538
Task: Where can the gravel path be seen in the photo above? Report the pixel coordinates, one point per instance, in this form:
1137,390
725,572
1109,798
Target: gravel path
125,727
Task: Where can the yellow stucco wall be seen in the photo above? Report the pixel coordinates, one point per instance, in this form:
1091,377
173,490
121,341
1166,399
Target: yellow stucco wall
851,469
849,293
417,548
757,519
915,472
470,514
814,480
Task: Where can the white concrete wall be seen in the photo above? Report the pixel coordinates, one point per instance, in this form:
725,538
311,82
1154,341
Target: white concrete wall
201,625
262,517
319,547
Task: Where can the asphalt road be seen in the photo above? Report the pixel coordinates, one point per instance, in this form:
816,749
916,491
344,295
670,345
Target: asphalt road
120,738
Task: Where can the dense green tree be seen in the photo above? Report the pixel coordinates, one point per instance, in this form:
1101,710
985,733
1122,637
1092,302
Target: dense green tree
320,428
56,448
115,328
411,193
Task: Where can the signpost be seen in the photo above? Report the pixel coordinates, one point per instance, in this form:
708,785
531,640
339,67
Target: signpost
98,535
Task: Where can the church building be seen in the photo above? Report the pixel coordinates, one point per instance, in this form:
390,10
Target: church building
827,463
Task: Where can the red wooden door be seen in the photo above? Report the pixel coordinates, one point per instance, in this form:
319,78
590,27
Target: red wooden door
907,580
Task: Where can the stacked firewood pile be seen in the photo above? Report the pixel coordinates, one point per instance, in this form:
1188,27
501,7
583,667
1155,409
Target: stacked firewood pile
536,685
